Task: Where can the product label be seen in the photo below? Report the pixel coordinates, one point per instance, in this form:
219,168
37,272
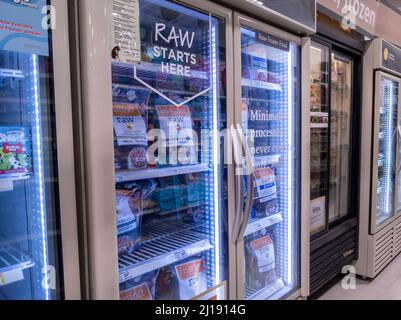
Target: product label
126,31
141,292
15,153
192,278
264,252
265,182
176,124
318,214
129,125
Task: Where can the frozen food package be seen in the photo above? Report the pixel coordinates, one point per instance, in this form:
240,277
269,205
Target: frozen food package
128,220
183,280
176,126
15,153
129,209
265,203
140,288
130,137
260,259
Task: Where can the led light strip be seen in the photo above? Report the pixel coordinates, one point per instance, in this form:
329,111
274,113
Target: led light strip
215,151
45,283
290,168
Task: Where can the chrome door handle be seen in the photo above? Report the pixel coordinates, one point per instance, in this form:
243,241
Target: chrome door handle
250,185
239,186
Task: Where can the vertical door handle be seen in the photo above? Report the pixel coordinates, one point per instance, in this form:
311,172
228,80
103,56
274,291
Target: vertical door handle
239,186
250,184
398,151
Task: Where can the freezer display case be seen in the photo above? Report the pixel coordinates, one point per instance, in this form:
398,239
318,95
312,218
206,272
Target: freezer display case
29,215
385,200
268,229
170,178
331,136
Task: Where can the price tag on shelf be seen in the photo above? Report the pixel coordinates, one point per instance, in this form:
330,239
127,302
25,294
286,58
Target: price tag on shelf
11,277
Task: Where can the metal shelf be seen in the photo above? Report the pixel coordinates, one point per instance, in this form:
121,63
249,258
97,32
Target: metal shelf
164,213
260,224
130,176
156,230
161,252
12,260
265,293
8,73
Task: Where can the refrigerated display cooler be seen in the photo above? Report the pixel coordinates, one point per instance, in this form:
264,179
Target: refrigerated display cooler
334,139
38,231
171,215
380,221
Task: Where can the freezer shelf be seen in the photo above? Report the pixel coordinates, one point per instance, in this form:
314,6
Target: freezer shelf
266,293
130,176
161,252
164,213
260,224
159,230
12,261
8,73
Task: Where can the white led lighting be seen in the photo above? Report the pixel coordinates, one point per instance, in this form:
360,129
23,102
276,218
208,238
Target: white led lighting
290,167
45,282
215,152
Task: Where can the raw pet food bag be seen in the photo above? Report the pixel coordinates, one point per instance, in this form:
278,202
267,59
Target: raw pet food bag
177,127
182,281
130,137
265,203
260,259
129,209
15,153
140,288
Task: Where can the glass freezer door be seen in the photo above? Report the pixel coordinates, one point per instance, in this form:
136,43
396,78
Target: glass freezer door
171,182
268,233
385,151
29,213
340,135
319,123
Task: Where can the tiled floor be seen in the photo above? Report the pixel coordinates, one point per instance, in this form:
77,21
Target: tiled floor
387,286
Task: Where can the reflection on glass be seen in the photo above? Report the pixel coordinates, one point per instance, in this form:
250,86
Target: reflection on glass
340,135
29,252
171,209
319,135
269,102
387,151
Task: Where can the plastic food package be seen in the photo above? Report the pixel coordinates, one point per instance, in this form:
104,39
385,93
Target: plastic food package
140,288
130,137
15,153
177,128
129,209
265,203
182,281
260,259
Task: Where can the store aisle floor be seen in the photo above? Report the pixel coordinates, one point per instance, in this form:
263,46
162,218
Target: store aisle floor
387,286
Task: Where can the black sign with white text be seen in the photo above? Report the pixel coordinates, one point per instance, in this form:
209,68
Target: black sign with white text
273,41
391,57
